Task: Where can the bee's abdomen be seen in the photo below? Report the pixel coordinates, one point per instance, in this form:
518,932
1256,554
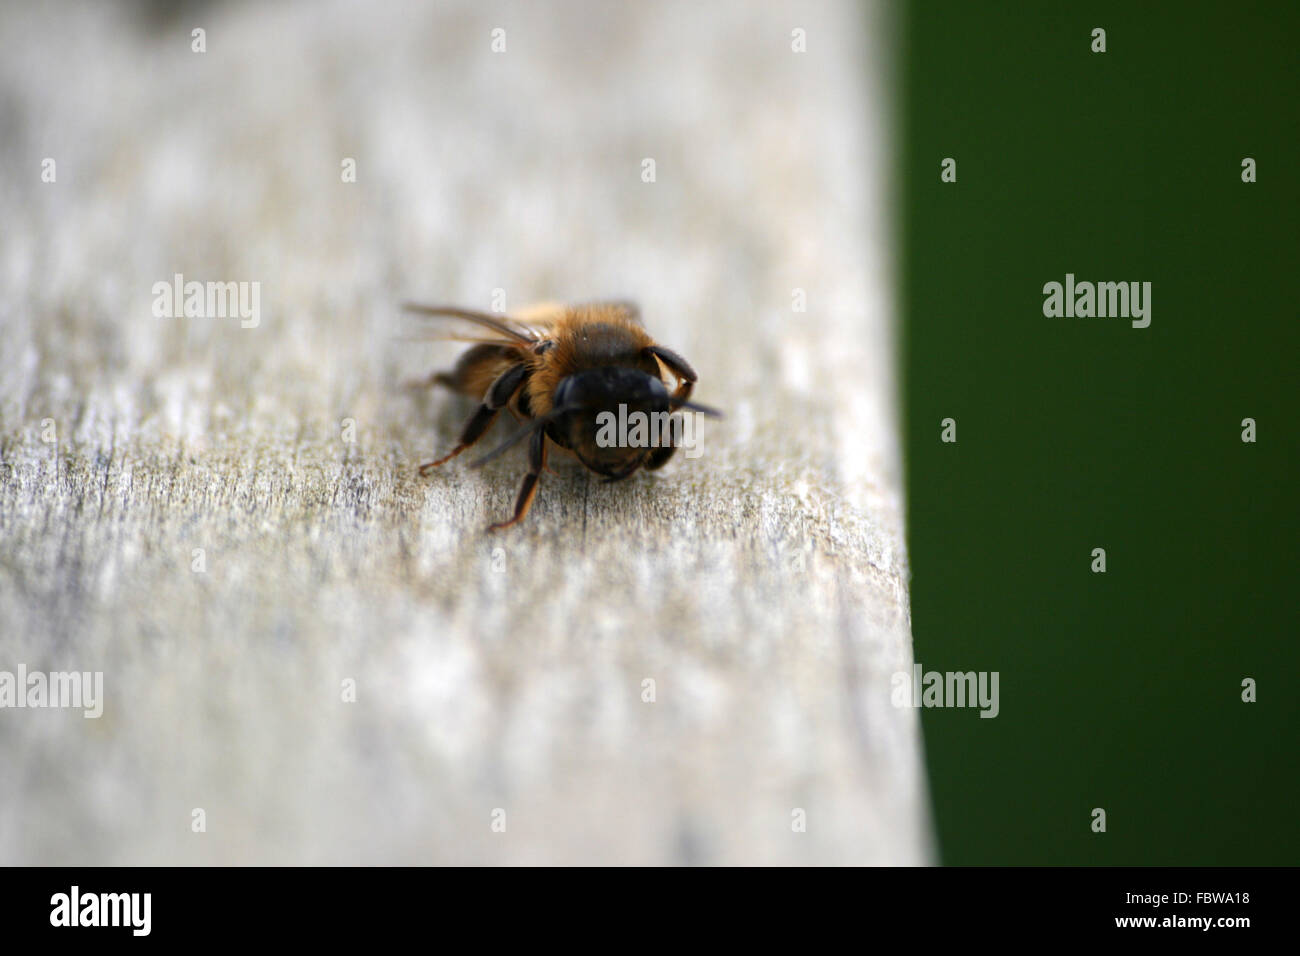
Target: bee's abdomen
478,368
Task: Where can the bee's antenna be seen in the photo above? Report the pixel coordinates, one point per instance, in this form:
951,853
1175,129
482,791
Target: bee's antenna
484,319
702,409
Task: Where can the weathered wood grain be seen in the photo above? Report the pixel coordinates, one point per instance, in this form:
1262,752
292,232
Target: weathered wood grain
761,586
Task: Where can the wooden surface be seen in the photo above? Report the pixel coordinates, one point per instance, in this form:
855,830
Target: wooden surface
761,586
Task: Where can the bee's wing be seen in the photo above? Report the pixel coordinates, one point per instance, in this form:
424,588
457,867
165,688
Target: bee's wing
507,330
530,324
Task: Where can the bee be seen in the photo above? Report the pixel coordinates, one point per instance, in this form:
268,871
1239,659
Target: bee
556,369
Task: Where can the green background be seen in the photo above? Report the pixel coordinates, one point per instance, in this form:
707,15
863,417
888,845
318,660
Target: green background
1119,690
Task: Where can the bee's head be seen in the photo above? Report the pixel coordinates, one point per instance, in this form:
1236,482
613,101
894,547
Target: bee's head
599,411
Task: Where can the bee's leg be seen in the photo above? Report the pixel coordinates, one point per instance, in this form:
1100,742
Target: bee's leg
686,379
681,368
527,491
659,456
506,384
478,423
